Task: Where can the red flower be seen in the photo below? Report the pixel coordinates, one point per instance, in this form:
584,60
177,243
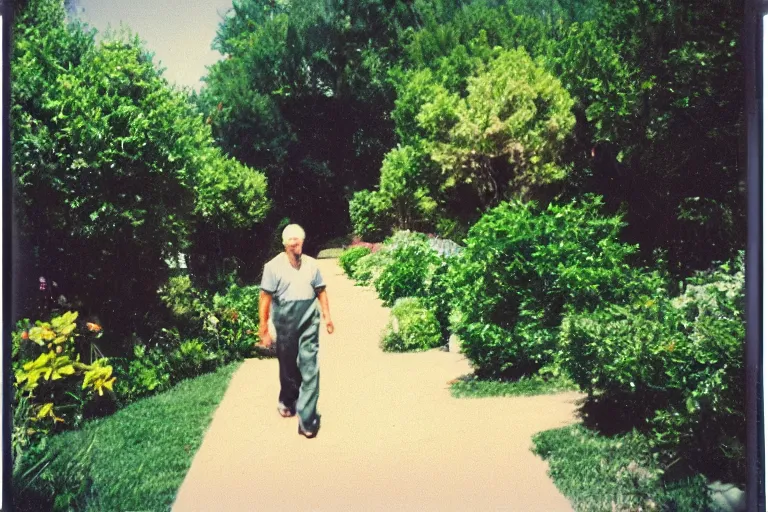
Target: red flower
93,327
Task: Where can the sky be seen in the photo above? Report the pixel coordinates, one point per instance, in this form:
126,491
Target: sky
179,32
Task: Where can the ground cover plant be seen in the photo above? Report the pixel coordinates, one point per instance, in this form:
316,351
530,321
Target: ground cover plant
155,437
609,473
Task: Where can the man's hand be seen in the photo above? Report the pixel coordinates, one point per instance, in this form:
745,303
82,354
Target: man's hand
329,326
266,339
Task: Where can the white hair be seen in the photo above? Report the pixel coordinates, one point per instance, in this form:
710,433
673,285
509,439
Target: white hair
293,231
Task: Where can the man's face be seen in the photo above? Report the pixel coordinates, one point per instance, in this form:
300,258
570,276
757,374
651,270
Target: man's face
294,246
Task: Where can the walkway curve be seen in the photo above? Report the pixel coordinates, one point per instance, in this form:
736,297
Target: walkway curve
392,437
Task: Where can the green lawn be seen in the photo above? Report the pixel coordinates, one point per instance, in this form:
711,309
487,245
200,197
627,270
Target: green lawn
141,454
471,387
330,253
607,473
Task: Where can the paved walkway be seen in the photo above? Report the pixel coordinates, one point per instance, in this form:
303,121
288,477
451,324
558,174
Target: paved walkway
392,437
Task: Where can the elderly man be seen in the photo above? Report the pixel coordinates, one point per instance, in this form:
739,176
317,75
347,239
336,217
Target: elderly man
289,288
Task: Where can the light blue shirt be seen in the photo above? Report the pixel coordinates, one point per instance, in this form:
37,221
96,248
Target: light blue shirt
287,284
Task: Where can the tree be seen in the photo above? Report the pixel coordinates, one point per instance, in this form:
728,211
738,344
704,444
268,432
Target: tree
302,92
112,168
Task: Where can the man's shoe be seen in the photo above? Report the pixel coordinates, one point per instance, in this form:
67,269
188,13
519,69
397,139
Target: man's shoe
308,435
285,412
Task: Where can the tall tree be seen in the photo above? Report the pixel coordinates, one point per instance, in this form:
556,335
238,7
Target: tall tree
302,92
113,168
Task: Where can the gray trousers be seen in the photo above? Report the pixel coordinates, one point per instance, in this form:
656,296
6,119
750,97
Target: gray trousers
297,325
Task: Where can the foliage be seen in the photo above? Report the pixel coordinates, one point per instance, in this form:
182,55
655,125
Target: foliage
600,473
370,267
289,71
146,373
514,112
684,181
408,261
522,269
230,317
51,380
138,436
438,290
185,302
370,214
653,107
212,331
350,257
242,299
486,120
411,327
114,170
677,361
404,188
38,486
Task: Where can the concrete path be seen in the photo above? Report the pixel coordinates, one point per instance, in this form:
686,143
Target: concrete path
392,437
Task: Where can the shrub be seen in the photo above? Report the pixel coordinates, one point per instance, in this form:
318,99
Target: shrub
242,299
409,260
234,322
228,323
190,359
411,327
350,257
589,341
437,292
50,375
147,373
519,270
370,214
369,267
678,361
184,301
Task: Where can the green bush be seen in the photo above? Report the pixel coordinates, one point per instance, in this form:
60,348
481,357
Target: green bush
409,260
242,299
55,373
191,359
369,267
228,323
370,214
186,303
148,372
590,340
411,327
350,257
677,361
437,292
522,269
234,322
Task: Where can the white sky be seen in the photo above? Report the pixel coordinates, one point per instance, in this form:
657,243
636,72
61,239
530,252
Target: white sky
179,32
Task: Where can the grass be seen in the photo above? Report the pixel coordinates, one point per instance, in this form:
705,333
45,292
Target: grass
329,253
618,473
139,456
472,387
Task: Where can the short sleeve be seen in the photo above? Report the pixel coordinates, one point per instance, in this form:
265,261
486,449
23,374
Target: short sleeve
317,281
269,280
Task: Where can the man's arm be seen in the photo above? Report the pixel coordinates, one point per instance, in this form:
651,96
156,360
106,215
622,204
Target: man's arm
322,296
265,303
